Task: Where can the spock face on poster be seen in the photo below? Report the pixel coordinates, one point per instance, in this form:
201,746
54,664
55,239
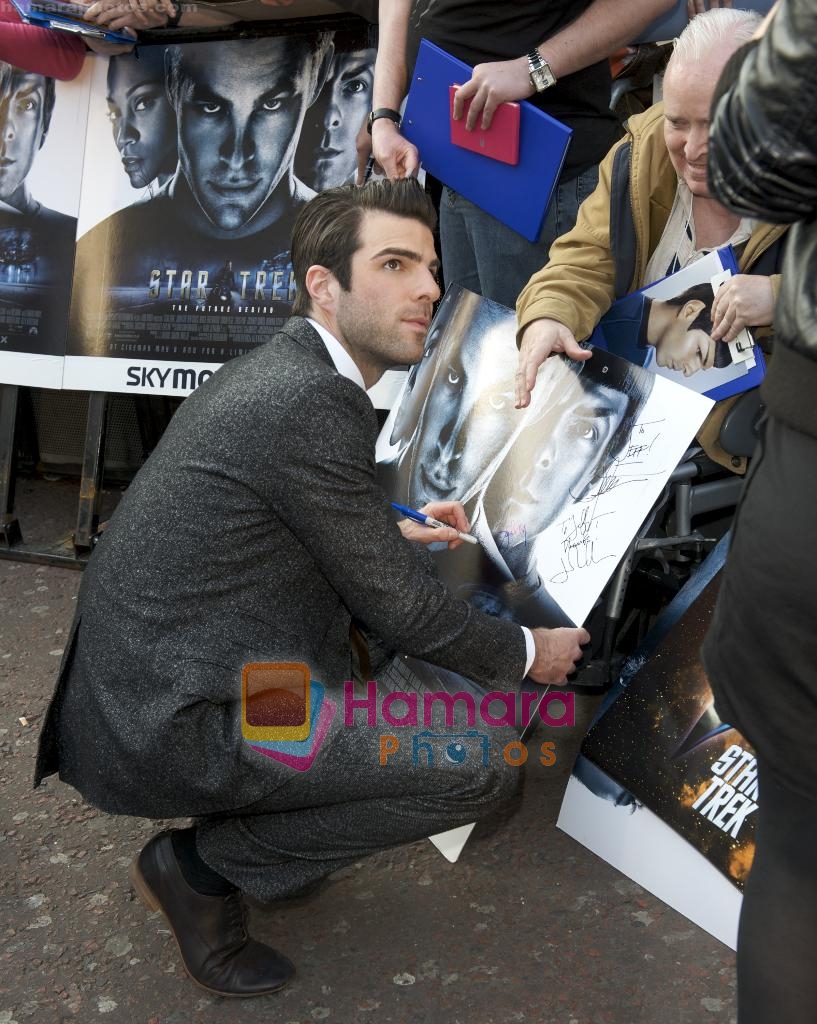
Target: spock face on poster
26,104
327,154
36,242
463,421
580,421
239,118
142,121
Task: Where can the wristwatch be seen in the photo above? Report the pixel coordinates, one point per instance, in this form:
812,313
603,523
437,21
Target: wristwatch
541,77
375,115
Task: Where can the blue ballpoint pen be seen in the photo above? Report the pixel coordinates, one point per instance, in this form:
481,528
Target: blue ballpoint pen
421,517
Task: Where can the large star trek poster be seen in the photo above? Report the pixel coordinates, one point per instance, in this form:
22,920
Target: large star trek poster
198,159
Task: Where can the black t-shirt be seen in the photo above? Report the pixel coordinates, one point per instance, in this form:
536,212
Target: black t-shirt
478,31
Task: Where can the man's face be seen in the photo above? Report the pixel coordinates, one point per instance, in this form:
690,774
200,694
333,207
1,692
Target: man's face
350,100
22,117
468,418
684,348
688,93
384,317
144,127
553,460
239,118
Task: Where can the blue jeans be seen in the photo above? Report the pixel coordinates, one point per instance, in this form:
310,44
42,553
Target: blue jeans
482,254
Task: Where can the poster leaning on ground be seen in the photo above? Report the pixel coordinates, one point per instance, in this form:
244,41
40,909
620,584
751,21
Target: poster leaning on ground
663,789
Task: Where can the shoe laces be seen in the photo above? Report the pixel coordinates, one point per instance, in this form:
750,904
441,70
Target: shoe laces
237,918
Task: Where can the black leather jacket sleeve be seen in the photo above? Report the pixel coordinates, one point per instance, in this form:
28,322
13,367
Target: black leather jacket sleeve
763,142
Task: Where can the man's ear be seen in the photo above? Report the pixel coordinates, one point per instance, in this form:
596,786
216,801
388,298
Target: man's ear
322,73
690,310
323,288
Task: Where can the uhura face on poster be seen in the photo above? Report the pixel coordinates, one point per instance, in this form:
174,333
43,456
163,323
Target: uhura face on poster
183,249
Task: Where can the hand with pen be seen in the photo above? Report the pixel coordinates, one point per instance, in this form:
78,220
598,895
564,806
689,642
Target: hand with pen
419,525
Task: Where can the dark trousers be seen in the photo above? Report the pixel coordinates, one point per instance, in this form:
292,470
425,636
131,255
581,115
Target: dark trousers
761,657
349,805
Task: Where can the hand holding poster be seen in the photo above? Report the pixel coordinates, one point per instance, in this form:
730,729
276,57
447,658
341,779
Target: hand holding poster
667,328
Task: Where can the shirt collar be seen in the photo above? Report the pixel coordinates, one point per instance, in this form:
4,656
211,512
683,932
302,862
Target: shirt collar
344,364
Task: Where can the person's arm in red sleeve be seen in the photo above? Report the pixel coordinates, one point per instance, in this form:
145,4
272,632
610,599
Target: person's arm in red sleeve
39,50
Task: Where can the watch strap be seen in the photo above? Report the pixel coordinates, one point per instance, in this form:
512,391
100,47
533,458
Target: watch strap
541,75
375,115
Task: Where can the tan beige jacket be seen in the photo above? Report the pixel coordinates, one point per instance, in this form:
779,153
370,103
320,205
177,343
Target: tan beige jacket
577,285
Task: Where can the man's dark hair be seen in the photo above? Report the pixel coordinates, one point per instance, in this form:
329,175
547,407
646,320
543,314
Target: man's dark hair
316,49
7,75
634,382
703,321
327,230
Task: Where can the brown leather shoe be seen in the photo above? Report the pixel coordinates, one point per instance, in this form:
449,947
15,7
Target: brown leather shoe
210,931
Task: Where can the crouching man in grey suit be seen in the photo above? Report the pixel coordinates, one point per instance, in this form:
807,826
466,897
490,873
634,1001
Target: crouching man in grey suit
255,533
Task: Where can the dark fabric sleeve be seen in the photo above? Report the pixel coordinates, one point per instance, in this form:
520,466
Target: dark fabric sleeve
322,485
763,142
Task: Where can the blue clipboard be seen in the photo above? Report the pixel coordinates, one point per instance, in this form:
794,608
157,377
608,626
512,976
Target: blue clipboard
61,24
519,194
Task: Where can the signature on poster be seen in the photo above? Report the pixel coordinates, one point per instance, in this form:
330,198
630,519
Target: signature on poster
584,541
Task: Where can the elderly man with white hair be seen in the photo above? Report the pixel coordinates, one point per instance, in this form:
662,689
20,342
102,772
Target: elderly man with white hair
651,215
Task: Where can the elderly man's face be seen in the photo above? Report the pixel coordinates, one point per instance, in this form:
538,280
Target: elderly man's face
239,119
22,117
688,93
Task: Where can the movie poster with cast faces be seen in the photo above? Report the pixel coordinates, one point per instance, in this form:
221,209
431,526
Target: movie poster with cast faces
198,159
42,124
554,492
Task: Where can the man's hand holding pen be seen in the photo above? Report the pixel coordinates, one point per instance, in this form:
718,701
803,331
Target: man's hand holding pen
451,512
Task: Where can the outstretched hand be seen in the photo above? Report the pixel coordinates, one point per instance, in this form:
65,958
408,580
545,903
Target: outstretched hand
396,155
116,15
540,339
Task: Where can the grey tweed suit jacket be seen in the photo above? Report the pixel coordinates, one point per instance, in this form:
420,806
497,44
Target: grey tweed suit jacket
254,532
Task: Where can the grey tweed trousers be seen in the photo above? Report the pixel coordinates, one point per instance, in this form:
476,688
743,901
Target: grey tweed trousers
348,805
